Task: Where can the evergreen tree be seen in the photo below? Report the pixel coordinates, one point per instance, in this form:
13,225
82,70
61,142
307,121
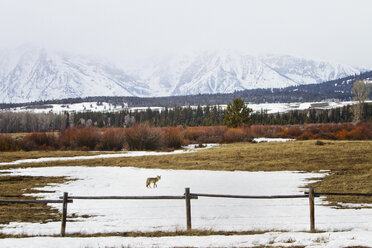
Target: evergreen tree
237,113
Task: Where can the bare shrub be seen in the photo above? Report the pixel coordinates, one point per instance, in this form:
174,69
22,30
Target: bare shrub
113,139
234,135
213,134
193,134
65,137
141,137
257,131
86,137
173,137
83,138
8,144
363,131
305,136
204,134
39,141
294,131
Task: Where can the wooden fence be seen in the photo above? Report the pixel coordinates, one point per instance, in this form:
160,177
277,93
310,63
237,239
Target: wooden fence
64,202
65,199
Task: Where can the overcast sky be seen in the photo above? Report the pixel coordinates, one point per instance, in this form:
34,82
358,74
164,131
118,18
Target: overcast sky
332,30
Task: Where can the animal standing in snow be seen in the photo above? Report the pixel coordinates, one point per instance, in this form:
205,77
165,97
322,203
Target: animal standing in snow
153,181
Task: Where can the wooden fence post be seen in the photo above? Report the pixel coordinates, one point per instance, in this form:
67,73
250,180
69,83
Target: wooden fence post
64,214
312,209
188,209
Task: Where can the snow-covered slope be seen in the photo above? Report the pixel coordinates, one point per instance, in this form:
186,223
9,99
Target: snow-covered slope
305,71
31,74
228,71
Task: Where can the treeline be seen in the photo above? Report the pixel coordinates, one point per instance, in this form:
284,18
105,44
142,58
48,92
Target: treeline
213,116
11,122
143,137
177,116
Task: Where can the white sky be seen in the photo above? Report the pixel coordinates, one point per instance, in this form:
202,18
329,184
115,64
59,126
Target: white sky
332,30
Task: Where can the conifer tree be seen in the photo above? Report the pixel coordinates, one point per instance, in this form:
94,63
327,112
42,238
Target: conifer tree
237,113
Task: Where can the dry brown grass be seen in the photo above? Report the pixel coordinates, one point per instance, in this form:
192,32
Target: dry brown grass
14,187
194,232
22,135
13,156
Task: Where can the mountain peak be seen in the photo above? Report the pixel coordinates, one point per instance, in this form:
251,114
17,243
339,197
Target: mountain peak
32,73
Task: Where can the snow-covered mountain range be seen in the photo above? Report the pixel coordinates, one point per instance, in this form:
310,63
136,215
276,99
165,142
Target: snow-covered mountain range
31,74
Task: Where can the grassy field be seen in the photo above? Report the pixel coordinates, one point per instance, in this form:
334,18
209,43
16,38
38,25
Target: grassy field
349,165
14,187
13,156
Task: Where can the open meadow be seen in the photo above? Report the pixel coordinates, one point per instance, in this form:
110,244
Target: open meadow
239,168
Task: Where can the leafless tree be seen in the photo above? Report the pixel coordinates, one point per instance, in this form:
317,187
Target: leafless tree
360,91
11,122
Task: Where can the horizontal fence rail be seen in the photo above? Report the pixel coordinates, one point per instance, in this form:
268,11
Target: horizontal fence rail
34,201
164,197
64,202
250,196
187,196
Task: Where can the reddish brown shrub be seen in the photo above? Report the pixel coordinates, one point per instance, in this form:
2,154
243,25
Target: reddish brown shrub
271,131
257,131
294,131
330,136
173,137
313,129
65,137
213,134
283,133
342,134
193,134
141,137
84,138
113,139
362,131
208,134
234,135
366,130
39,141
7,144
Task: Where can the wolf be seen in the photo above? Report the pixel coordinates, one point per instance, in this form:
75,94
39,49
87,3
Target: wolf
153,181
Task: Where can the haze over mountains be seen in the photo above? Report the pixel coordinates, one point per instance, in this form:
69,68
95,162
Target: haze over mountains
32,74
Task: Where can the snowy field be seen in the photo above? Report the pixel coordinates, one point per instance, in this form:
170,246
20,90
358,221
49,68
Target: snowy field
291,215
275,239
340,227
271,108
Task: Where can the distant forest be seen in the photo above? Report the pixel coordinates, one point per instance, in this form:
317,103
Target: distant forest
213,116
11,122
339,89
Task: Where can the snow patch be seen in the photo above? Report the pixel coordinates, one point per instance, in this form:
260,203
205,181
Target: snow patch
287,239
207,213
